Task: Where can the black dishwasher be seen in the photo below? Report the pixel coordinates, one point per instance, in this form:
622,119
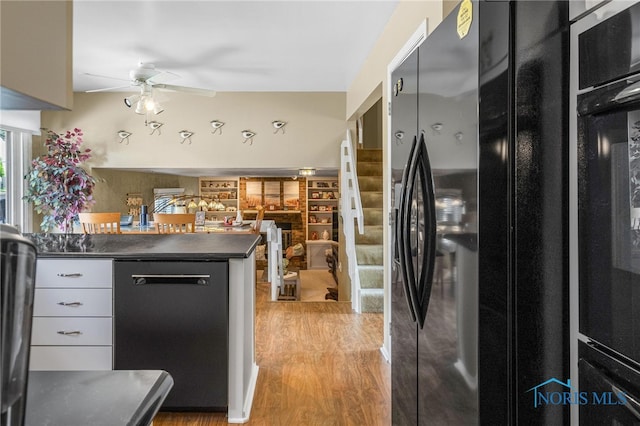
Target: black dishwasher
173,316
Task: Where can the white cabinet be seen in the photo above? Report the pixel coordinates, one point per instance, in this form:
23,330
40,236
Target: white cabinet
317,253
73,315
221,194
81,302
322,211
70,358
322,203
74,273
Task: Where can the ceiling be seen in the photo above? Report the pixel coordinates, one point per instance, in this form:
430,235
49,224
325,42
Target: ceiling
252,46
296,45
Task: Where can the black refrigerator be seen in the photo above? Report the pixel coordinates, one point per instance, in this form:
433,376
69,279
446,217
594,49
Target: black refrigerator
479,291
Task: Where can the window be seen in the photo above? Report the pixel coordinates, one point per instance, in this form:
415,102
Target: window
15,155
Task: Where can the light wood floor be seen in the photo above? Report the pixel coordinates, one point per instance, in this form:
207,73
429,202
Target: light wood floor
320,364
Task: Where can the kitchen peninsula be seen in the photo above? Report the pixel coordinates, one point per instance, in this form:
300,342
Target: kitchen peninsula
220,268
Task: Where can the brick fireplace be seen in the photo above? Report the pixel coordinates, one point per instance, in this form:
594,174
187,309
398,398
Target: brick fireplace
292,222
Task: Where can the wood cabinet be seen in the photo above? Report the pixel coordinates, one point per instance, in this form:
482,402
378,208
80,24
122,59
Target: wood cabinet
72,315
222,191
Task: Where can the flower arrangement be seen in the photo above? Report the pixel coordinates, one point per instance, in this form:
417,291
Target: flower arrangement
56,184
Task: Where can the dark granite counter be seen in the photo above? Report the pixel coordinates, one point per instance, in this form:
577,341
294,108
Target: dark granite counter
97,398
141,246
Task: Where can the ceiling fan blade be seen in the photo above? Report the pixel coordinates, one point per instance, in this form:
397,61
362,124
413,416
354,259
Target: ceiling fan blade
106,89
105,76
192,90
162,77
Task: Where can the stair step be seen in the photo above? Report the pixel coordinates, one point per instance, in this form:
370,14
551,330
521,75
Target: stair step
372,235
372,215
370,254
370,183
369,155
369,168
372,198
371,276
372,300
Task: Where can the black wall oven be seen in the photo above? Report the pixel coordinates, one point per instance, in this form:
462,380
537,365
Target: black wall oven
607,100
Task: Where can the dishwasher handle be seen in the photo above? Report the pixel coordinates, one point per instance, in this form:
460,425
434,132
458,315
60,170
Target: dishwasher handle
149,279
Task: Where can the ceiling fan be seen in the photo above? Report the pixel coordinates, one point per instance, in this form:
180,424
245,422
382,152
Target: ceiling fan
148,78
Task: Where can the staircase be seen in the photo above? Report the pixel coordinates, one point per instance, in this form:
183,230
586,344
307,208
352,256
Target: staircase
369,250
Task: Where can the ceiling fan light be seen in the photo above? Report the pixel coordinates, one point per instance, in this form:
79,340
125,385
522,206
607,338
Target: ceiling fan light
140,107
149,103
157,109
130,100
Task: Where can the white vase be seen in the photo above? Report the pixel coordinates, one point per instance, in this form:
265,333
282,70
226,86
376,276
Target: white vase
239,217
325,235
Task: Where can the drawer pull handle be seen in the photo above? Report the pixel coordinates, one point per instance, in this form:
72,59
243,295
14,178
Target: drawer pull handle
72,275
70,333
71,304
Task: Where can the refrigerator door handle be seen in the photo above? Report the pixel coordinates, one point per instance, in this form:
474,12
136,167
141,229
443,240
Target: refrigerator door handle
418,194
423,177
402,242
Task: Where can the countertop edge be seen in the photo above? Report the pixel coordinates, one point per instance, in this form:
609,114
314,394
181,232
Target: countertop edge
186,247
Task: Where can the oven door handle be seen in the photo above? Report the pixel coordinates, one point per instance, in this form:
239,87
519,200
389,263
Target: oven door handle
632,404
628,93
609,97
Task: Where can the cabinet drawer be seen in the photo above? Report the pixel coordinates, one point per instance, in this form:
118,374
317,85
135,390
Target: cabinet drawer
70,302
72,331
74,273
71,358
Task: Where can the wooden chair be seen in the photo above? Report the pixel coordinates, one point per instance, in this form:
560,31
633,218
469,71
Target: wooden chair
175,223
100,223
259,217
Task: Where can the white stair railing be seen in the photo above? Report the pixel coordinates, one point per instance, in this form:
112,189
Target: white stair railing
351,211
274,244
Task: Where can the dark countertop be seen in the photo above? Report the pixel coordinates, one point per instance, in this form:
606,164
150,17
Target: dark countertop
97,398
140,246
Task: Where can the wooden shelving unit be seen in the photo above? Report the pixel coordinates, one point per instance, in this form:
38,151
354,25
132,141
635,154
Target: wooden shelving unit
224,190
322,208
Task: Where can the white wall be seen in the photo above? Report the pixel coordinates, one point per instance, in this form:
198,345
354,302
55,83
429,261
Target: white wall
36,44
368,85
312,136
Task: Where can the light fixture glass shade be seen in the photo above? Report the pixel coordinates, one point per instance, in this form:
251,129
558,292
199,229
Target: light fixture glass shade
192,205
149,103
202,203
140,107
307,171
157,109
